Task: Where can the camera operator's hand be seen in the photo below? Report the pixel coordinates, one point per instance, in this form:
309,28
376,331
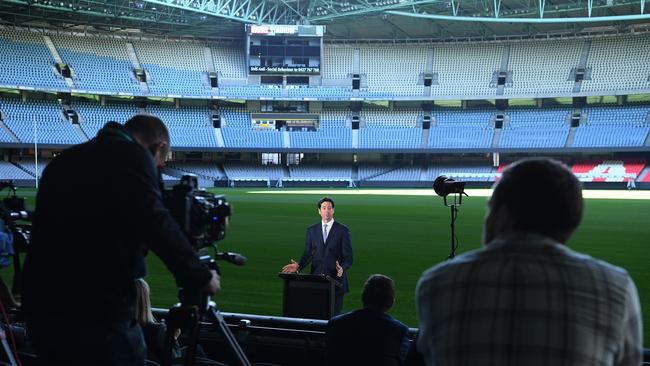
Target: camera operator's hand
291,267
214,285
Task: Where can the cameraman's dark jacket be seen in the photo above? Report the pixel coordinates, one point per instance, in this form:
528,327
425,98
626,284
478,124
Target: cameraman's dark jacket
98,209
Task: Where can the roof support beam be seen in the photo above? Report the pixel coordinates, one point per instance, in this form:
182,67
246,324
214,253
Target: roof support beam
370,8
455,5
524,20
497,8
229,9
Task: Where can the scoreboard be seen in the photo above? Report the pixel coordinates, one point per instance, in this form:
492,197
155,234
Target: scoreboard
284,49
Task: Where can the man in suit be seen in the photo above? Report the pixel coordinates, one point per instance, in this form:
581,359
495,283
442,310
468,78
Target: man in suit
329,249
369,336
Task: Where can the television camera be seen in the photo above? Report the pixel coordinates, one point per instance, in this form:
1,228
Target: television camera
16,220
13,205
203,216
14,211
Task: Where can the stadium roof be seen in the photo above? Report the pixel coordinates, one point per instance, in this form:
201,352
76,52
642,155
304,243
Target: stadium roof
344,19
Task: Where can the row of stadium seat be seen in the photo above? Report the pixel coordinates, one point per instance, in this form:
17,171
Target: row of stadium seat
190,127
106,65
587,171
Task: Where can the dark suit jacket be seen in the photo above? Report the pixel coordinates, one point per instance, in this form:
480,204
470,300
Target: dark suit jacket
366,337
323,256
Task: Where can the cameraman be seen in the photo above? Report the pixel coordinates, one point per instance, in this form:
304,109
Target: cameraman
98,210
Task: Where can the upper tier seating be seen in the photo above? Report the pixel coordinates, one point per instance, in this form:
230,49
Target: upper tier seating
98,64
229,60
545,73
392,70
337,61
619,63
465,70
26,61
101,64
182,70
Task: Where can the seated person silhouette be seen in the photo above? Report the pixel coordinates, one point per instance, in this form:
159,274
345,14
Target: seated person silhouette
154,331
369,336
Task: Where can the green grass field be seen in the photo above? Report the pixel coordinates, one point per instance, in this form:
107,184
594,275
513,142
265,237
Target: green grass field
399,236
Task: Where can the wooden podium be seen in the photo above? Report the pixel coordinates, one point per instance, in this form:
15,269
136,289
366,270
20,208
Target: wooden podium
308,296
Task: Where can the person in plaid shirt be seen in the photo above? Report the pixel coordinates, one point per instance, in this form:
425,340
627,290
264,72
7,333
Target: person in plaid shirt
525,298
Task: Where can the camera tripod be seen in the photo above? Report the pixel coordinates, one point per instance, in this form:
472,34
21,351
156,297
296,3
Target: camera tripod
196,307
190,318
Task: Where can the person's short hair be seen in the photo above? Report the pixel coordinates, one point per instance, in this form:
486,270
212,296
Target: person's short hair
149,129
378,292
542,196
325,199
143,313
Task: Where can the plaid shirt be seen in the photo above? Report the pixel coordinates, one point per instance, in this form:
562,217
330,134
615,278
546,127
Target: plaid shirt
525,299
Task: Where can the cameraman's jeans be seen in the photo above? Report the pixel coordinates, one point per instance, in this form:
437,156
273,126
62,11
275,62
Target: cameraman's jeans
91,342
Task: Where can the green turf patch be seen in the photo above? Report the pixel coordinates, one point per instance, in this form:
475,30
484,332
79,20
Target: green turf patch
399,236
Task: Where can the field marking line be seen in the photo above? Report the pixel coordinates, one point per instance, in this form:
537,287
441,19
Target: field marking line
598,194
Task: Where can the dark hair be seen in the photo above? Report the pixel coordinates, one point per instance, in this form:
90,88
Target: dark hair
541,196
149,129
378,292
325,199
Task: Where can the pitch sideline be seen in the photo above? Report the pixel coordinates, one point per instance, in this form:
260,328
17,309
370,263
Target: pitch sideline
598,194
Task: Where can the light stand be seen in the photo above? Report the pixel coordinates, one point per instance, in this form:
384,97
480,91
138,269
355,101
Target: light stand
444,187
458,200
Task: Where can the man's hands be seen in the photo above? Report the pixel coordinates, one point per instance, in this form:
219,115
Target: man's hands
339,269
214,285
291,267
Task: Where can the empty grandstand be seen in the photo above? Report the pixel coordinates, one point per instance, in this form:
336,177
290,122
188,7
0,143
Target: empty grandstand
348,95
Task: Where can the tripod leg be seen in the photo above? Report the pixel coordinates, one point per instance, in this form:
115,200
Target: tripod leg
8,351
187,318
217,319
